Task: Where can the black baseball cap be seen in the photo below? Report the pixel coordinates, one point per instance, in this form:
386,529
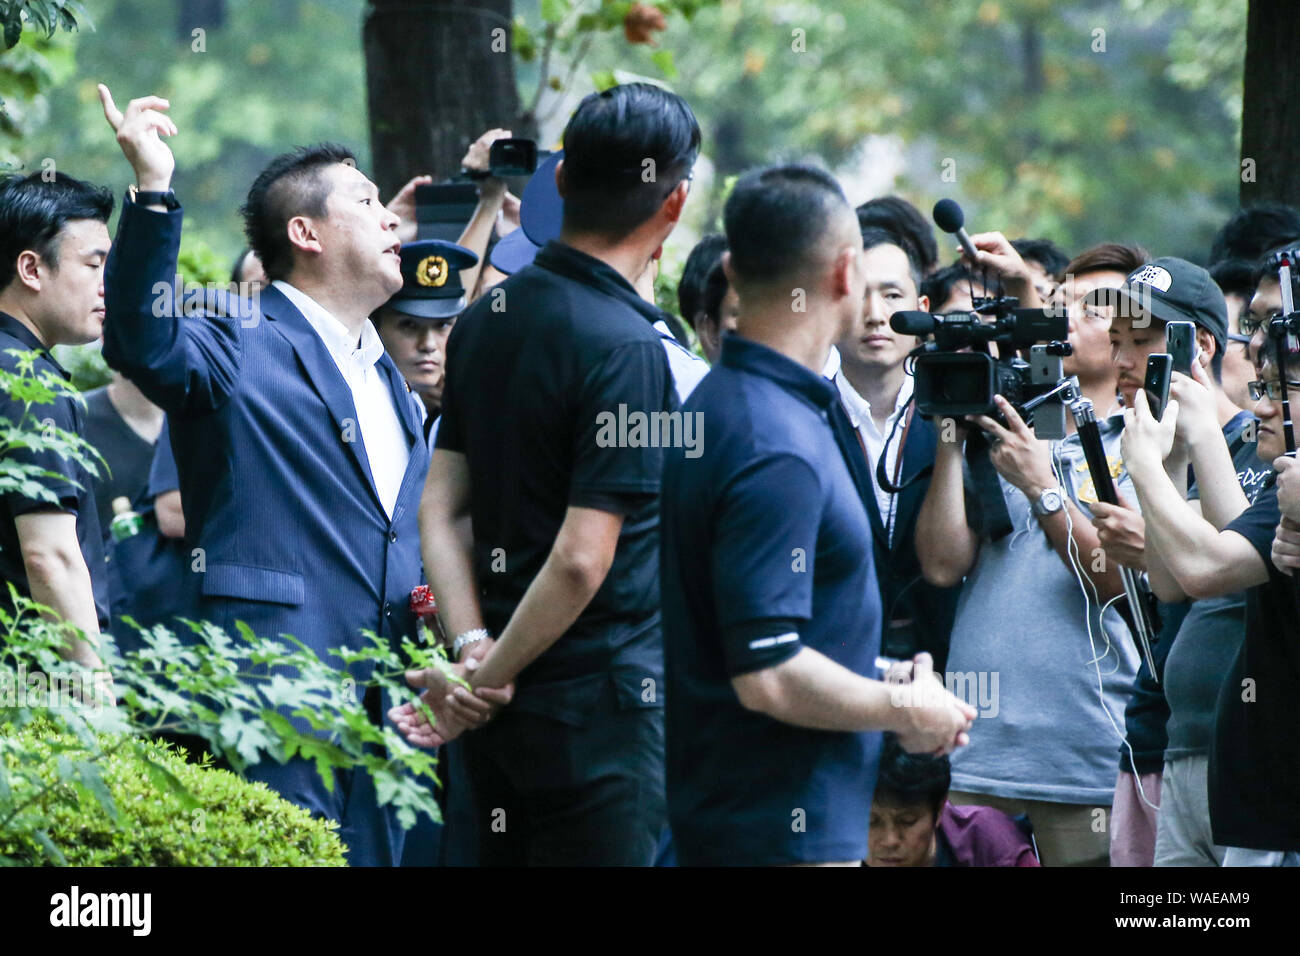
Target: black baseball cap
1171,290
431,287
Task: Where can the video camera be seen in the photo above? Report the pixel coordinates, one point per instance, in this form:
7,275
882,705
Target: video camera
956,374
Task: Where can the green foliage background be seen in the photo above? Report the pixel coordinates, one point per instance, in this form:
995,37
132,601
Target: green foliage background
1049,136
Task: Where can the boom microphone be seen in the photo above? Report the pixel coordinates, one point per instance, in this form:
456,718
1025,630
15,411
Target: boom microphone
949,217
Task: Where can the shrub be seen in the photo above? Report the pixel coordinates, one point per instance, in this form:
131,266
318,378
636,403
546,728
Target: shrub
218,819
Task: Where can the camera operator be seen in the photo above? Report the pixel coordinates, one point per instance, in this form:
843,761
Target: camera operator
1200,640
868,368
1047,263
951,288
1024,615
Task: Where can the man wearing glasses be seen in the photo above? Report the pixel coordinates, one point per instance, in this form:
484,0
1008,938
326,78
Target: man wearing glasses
1252,773
1236,277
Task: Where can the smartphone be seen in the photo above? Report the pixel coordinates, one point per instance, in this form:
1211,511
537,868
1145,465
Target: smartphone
1180,343
1159,369
512,157
443,210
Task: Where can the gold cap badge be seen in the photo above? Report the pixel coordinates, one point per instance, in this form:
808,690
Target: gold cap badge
432,271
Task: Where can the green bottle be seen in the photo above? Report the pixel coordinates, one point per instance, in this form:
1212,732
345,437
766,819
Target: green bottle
126,523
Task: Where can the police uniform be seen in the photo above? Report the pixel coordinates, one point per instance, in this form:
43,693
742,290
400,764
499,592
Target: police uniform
432,290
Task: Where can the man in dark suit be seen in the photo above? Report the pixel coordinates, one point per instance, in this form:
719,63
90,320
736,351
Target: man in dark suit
876,390
297,442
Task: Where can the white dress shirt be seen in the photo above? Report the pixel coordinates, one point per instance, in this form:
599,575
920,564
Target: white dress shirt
383,439
859,410
687,368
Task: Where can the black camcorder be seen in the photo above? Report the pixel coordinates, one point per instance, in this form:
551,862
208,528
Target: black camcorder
508,158
956,374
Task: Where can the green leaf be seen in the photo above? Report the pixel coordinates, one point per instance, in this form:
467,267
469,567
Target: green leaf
13,27
164,779
94,782
664,60
603,79
50,849
553,11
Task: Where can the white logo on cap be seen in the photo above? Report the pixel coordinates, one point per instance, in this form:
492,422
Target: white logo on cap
1153,276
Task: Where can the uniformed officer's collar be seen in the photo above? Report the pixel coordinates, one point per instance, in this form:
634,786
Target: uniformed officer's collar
746,354
11,326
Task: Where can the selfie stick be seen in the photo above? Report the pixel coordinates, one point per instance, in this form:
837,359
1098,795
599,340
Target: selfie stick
1085,422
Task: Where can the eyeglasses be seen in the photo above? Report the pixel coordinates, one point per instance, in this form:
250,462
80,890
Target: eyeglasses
1249,324
1243,339
1273,389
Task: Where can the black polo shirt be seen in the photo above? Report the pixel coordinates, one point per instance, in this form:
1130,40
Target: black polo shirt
73,486
765,535
536,370
1254,773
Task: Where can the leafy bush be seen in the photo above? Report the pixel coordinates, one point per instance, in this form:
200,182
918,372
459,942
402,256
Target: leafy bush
217,819
80,778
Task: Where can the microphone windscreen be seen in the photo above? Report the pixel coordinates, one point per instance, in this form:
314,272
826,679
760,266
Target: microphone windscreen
948,215
912,322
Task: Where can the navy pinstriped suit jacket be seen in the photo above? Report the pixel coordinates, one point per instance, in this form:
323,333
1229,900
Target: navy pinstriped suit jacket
293,534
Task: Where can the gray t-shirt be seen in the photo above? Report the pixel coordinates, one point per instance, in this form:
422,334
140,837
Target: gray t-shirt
1021,634
1210,636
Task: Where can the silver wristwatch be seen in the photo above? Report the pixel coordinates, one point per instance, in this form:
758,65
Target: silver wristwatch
466,639
1049,502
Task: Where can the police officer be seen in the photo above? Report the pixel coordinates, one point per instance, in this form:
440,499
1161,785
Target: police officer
414,323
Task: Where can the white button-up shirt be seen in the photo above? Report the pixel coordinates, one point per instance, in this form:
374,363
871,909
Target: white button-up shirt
383,439
859,410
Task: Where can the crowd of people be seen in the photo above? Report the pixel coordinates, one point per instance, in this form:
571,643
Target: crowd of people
746,608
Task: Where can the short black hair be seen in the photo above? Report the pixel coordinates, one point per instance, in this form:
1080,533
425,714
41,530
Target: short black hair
1046,253
35,208
610,143
775,217
1234,277
938,286
912,231
1251,231
695,275
1264,265
874,236
290,185
906,778
715,290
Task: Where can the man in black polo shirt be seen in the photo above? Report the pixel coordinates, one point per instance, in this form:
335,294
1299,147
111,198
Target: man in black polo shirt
771,610
551,382
53,245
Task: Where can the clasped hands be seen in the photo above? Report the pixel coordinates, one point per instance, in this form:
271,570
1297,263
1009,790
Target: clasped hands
458,705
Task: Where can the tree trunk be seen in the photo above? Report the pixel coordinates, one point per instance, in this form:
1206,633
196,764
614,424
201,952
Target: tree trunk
1270,118
438,74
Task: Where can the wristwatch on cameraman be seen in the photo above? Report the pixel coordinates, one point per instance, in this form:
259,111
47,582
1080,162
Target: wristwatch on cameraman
1048,502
